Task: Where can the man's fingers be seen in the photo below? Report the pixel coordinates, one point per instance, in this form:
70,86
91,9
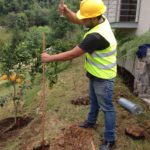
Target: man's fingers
62,8
44,56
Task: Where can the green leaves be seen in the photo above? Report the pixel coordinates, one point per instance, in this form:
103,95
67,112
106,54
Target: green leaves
51,73
18,21
130,45
4,99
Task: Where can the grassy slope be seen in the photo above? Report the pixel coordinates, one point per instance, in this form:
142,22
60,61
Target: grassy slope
60,113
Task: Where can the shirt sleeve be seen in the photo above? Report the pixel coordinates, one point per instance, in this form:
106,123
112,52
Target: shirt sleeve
92,42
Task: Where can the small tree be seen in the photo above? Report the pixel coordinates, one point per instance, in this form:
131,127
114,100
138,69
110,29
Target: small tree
18,21
20,61
14,71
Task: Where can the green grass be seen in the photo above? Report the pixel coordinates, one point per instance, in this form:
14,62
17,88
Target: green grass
5,35
11,146
129,45
60,113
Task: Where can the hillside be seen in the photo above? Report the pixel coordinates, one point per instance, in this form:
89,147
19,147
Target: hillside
22,109
62,117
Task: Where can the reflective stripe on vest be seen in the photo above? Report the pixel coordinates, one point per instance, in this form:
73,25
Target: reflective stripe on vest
104,54
100,66
102,63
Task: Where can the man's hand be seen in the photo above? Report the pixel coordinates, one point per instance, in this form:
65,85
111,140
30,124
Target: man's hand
45,58
62,8
68,55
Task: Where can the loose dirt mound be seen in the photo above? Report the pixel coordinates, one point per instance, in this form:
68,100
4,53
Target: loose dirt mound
8,128
81,101
73,138
146,126
135,131
42,147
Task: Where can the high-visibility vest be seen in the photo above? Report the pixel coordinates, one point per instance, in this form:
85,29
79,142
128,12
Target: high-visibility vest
102,63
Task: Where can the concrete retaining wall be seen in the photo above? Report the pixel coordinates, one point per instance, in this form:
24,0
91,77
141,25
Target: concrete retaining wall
140,69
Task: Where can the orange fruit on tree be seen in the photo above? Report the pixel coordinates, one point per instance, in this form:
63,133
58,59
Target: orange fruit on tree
18,80
13,77
4,77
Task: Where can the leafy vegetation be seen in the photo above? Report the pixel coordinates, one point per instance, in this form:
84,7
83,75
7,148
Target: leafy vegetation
60,113
128,46
22,24
21,14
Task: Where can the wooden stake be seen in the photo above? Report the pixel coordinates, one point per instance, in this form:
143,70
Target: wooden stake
93,146
43,95
62,4
43,42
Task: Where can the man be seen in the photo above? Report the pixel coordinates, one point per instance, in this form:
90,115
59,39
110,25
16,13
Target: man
99,47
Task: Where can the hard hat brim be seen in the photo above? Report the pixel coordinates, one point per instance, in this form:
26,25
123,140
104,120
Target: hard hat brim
79,16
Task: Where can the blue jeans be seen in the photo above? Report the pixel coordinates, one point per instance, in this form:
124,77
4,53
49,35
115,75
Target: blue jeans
100,92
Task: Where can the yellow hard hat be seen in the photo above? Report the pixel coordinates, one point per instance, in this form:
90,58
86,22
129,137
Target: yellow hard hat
91,9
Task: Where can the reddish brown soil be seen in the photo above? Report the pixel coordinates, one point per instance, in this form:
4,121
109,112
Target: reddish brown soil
42,147
8,128
81,101
135,131
146,126
73,138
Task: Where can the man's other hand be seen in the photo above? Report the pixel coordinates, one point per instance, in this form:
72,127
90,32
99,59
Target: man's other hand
45,57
